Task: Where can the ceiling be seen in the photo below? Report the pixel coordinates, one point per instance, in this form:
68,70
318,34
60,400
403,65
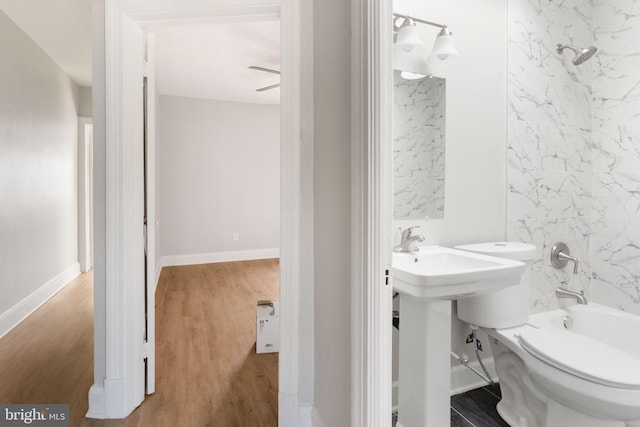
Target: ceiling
62,28
203,61
212,61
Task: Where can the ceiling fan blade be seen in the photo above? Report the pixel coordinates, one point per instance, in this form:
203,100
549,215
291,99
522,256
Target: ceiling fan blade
268,70
262,89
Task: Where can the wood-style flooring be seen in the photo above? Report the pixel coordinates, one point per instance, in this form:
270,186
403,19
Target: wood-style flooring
207,372
477,408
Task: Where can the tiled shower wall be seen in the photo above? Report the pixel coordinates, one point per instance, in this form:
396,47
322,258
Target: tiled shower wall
616,155
549,160
573,146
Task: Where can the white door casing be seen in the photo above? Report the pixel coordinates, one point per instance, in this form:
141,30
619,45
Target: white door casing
151,278
371,290
123,388
85,193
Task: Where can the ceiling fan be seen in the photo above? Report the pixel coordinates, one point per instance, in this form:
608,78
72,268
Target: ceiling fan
266,70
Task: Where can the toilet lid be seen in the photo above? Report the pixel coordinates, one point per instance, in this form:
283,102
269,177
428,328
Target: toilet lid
583,356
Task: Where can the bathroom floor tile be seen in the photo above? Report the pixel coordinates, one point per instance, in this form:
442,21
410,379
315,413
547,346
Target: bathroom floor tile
476,408
458,420
479,407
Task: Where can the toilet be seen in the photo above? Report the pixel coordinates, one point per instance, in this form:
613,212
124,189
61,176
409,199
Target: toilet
549,377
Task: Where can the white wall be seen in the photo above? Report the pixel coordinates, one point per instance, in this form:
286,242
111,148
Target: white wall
218,167
476,119
99,196
307,272
332,210
38,173
85,105
476,128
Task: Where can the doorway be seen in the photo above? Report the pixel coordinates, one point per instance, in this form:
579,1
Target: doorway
85,193
216,207
120,375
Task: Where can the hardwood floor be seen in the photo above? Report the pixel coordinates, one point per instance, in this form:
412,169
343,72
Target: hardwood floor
48,358
207,371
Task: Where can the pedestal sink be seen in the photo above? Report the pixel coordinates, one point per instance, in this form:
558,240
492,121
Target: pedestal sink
427,280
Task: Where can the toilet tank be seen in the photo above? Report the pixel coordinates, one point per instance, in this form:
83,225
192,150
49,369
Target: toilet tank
508,307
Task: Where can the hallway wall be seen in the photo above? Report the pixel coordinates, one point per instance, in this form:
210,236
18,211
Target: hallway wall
38,175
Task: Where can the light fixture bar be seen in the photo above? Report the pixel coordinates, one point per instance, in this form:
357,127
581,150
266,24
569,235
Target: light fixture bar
422,21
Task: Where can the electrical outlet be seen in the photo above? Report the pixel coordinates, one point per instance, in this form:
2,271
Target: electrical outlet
235,237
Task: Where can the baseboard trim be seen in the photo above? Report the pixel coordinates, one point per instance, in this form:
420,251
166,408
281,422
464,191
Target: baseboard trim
16,314
316,419
291,413
464,379
212,257
96,403
394,396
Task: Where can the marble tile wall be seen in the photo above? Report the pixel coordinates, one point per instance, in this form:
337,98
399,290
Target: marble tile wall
549,140
574,146
616,155
418,148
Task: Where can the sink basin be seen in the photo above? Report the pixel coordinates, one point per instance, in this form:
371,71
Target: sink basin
439,273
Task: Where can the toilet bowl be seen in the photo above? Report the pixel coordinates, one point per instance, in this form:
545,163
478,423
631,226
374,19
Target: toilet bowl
553,372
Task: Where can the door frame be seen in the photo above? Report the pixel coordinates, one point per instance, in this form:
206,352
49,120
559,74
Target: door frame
85,193
120,392
371,164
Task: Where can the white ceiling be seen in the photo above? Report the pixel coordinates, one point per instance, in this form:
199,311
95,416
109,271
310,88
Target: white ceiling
212,61
202,61
62,28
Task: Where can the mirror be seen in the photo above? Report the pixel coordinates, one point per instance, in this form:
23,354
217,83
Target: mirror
418,148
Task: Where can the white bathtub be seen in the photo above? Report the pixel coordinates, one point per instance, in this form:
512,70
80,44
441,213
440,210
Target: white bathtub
610,326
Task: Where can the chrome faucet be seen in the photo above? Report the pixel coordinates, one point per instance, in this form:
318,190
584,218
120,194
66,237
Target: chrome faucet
407,240
566,293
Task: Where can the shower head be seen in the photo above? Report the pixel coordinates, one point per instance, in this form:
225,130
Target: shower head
581,54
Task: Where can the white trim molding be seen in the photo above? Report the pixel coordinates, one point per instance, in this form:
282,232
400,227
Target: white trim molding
96,403
371,292
123,385
212,257
290,216
316,419
16,314
292,413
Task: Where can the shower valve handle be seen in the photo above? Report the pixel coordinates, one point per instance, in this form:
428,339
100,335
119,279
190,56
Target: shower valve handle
560,257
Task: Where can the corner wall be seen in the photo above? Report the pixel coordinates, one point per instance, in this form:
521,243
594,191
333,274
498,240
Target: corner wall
38,176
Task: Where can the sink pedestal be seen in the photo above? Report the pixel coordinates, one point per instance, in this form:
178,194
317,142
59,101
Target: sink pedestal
424,380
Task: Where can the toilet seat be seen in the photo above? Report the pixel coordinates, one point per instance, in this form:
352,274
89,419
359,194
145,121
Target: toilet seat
582,357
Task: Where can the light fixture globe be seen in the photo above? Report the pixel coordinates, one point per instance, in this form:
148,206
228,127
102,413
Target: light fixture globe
444,47
408,38
412,65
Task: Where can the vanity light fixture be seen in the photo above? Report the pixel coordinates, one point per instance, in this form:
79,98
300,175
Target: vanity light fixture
412,65
409,52
407,37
